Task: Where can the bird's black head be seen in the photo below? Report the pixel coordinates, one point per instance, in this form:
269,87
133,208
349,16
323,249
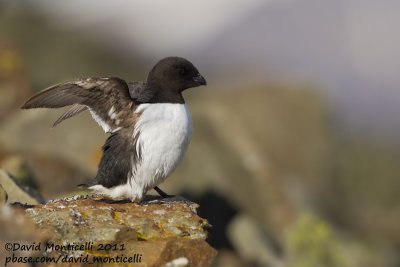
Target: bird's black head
171,75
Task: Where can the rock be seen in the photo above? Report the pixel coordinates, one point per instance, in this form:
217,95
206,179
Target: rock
252,242
14,191
157,232
17,229
38,171
312,241
229,258
3,195
16,166
76,141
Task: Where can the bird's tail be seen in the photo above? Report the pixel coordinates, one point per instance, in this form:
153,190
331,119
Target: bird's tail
83,186
87,184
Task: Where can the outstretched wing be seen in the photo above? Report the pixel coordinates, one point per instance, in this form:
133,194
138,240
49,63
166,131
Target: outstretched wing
111,105
107,99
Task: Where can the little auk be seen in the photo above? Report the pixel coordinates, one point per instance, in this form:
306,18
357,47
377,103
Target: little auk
149,124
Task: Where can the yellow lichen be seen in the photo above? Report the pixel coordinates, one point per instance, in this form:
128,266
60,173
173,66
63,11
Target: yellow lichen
311,243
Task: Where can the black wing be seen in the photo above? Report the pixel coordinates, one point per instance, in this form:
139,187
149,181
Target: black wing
119,157
107,99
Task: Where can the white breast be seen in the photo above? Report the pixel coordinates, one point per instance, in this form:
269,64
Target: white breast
164,132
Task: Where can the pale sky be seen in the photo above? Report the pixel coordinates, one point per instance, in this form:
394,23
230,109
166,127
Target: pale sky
175,24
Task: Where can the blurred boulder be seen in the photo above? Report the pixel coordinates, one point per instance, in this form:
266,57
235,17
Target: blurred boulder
366,177
16,166
38,171
76,141
312,241
252,242
231,259
3,195
160,231
16,193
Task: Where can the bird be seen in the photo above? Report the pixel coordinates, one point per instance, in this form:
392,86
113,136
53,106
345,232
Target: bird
148,122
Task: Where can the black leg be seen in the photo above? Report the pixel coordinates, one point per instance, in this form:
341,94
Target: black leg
161,193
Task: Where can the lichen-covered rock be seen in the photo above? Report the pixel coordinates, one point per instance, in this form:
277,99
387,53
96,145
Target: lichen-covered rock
17,230
157,232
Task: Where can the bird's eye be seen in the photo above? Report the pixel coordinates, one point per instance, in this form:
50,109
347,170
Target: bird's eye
182,71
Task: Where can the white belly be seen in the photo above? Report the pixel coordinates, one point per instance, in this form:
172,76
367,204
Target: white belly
164,132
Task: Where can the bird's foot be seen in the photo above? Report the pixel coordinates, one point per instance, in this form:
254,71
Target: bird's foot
162,193
164,199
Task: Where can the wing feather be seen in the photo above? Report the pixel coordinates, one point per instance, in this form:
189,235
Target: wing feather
74,110
108,99
110,103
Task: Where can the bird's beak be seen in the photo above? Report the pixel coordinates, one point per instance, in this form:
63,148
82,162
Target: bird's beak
199,80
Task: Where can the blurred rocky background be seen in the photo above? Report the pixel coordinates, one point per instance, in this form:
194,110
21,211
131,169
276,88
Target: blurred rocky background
295,158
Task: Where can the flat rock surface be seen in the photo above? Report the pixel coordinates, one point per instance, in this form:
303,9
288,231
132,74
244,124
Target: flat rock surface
156,232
